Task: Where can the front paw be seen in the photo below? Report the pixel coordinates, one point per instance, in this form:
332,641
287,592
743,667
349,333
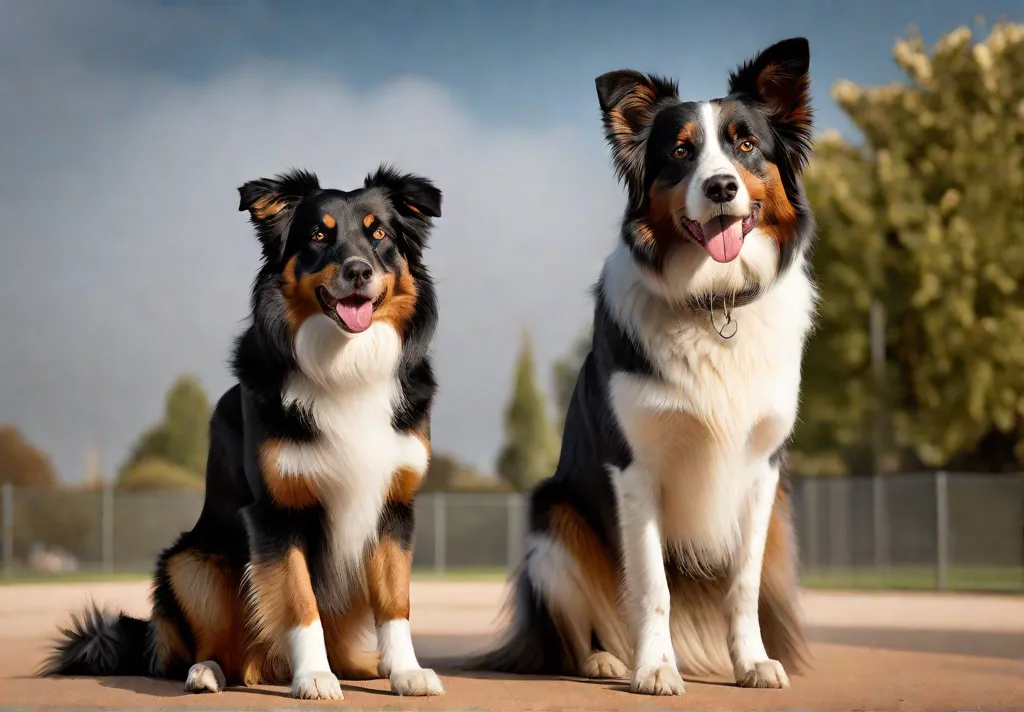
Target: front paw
416,683
656,680
765,674
317,686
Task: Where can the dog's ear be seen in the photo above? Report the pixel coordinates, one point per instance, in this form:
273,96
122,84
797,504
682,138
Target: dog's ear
629,103
778,79
271,204
416,200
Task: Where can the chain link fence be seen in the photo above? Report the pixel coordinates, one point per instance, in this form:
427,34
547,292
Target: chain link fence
922,531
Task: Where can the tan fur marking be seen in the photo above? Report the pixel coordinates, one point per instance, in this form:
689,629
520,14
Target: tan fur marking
754,185
291,491
167,643
369,220
665,204
300,292
348,661
268,207
329,221
412,208
208,596
283,596
400,302
687,133
387,575
778,216
404,485
580,541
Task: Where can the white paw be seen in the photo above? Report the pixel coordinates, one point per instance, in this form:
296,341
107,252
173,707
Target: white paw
416,683
317,686
205,677
602,665
767,673
661,679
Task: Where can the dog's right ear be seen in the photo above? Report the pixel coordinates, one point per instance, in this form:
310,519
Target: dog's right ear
271,204
629,103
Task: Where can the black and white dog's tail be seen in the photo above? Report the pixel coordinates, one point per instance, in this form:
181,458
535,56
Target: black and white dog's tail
100,643
531,643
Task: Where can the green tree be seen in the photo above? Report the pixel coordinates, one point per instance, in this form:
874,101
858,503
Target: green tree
154,473
530,451
181,439
929,221
22,463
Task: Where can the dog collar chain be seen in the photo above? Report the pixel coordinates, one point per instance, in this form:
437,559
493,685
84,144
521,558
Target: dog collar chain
725,329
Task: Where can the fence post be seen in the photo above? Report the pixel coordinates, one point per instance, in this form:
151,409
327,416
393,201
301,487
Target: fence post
811,498
514,503
107,515
440,533
879,510
942,529
7,527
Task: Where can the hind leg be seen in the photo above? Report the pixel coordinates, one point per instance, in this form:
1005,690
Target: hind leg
751,664
575,573
602,665
207,593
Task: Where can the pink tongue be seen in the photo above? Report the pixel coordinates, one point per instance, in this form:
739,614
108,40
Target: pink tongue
356,318
723,238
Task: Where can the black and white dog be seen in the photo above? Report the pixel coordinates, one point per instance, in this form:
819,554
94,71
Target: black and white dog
664,540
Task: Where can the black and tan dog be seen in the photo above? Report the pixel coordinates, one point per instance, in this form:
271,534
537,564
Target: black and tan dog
315,457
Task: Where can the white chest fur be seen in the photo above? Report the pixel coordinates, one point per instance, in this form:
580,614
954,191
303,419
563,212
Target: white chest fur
348,385
708,426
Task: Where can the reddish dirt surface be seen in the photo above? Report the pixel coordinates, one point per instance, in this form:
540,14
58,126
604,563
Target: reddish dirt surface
871,652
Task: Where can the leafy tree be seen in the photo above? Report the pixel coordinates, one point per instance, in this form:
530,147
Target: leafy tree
929,221
154,473
181,438
22,463
530,451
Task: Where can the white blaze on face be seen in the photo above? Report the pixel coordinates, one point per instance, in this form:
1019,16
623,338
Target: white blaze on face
721,223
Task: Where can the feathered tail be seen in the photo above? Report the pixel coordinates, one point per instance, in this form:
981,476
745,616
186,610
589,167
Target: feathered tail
101,643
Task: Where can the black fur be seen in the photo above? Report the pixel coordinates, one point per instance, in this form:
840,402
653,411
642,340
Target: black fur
240,522
642,117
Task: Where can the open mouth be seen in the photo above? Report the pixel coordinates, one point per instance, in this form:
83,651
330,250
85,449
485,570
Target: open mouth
722,236
352,313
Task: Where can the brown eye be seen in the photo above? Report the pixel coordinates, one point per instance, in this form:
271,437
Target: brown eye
318,236
379,234
682,151
747,146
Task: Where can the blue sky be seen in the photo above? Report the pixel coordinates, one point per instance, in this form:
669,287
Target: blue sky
128,125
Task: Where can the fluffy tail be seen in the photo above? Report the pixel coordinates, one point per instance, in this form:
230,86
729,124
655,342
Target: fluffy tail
101,643
531,642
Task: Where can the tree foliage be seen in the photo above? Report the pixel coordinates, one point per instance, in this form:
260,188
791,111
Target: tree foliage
929,220
154,473
22,463
181,439
530,451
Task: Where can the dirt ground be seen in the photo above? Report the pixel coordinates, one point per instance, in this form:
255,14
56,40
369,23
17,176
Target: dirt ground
870,652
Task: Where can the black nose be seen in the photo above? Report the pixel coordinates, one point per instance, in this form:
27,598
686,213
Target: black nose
720,188
357,271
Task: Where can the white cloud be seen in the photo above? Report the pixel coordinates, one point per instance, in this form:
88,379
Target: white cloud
126,262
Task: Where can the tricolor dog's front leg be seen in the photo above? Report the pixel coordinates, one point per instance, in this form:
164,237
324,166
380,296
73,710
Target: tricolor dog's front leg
647,593
388,567
751,664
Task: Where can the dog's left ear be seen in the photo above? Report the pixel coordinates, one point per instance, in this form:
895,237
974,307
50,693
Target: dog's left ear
417,201
778,78
271,205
